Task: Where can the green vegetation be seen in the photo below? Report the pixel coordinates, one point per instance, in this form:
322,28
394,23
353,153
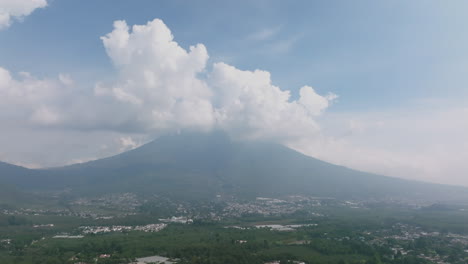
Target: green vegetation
344,235
332,214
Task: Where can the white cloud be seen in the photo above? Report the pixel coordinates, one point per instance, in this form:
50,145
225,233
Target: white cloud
66,79
158,79
314,103
247,104
30,98
45,116
17,9
162,87
128,143
429,145
161,83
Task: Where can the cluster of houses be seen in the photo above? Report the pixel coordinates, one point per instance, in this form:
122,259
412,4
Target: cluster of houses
289,261
119,228
179,220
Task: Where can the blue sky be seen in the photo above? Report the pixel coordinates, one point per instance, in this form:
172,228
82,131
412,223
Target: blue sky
373,54
390,62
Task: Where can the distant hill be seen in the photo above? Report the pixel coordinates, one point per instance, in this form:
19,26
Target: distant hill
10,170
201,166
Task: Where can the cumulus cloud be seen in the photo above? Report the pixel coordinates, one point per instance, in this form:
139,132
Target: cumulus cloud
249,105
161,87
27,97
17,9
169,88
158,80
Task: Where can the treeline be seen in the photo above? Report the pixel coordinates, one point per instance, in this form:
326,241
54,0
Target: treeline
13,220
200,244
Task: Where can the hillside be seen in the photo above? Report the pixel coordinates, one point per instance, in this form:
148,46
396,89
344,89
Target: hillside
201,166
